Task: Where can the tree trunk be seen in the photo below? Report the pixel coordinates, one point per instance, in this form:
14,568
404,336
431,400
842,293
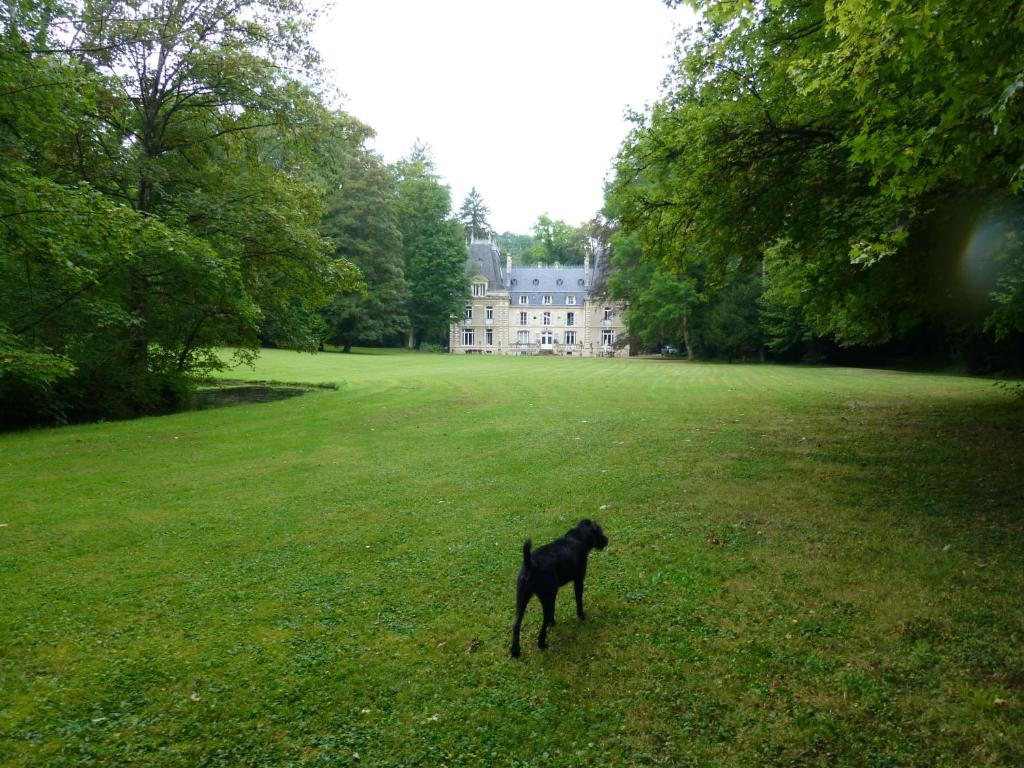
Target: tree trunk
411,342
347,347
686,336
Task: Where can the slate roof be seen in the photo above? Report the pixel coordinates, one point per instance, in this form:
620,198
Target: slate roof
485,259
556,282
536,282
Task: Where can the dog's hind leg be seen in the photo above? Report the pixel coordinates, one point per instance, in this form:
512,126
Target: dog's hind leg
548,602
522,598
578,584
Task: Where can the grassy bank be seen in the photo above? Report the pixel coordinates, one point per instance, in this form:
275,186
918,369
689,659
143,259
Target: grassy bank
808,566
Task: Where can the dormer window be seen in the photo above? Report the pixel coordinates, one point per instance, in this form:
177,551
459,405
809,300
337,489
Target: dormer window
479,289
547,299
570,300
524,299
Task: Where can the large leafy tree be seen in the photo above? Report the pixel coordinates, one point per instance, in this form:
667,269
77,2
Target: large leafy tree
156,197
433,248
362,222
556,242
216,136
848,149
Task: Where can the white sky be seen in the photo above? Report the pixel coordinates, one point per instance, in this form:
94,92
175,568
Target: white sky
523,99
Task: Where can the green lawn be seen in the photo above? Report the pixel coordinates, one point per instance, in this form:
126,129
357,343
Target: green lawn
808,566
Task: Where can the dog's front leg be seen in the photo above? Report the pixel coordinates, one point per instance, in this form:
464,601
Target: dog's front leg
578,584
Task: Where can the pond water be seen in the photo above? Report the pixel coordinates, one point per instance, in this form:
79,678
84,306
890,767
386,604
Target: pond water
219,397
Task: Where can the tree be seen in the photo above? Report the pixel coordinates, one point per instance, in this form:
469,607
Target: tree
519,247
556,242
157,198
664,308
732,328
433,249
362,222
473,216
847,149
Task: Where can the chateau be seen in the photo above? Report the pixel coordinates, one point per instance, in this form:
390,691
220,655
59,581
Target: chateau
534,310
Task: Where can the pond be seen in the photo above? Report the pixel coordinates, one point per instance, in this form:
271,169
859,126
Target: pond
218,397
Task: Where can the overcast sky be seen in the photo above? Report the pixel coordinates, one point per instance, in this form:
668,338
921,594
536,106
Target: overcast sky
523,99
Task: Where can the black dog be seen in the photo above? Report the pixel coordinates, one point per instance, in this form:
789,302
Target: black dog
551,566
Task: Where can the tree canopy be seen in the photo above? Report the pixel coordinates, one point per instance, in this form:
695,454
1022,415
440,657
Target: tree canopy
862,155
433,248
556,242
361,221
159,196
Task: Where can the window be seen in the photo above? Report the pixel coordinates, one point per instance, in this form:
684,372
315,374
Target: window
547,298
607,337
570,337
469,311
489,313
547,337
607,313
522,318
570,318
524,337
524,299
479,289
570,300
467,337
489,337
547,318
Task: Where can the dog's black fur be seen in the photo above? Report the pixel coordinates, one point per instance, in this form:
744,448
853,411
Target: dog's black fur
548,568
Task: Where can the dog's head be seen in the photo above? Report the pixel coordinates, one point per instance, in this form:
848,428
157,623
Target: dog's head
592,534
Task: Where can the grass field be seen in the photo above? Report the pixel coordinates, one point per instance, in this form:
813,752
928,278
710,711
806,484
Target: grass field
808,566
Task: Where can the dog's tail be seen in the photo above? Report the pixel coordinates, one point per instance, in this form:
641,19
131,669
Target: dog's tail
526,554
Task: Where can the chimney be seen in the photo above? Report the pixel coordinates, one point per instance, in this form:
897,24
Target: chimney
586,269
508,264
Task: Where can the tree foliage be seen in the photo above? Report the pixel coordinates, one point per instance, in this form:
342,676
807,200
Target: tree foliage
473,215
362,222
433,249
556,242
157,198
518,246
851,151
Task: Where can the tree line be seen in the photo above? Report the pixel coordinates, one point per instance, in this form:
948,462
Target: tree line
551,241
173,180
824,178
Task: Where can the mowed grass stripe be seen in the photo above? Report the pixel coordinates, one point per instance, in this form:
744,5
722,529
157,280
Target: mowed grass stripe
807,566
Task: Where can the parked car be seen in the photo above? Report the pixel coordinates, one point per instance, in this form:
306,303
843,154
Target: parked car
669,351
